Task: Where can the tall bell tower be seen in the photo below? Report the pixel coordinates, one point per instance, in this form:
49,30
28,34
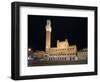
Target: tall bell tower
48,35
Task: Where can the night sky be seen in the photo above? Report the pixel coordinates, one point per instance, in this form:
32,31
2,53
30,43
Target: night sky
72,28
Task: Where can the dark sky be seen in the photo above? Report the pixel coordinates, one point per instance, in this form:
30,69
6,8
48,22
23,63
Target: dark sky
72,28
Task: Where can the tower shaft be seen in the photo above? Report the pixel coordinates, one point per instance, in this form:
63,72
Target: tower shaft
48,40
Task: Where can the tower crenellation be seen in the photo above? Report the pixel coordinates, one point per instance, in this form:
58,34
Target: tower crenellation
48,25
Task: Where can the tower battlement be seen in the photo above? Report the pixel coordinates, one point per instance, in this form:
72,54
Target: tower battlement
48,25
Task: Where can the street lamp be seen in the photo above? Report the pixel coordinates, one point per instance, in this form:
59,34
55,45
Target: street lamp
29,49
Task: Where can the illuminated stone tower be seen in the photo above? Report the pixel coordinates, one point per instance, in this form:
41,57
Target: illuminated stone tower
48,35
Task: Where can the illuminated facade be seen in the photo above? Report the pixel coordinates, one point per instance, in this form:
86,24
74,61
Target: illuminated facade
63,51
